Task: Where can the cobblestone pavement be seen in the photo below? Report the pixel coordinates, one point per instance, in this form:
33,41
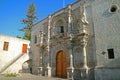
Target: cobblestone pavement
29,77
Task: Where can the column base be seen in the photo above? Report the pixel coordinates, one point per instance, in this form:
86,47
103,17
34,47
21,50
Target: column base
49,71
84,73
70,72
40,71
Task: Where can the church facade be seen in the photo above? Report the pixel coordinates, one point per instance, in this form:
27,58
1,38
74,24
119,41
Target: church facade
79,42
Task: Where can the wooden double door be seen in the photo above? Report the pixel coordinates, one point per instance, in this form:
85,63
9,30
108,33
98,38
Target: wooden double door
61,65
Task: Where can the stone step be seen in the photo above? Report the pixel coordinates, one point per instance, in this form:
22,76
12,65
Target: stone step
25,76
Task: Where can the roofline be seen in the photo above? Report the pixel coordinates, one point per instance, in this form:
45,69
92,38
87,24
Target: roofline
13,37
56,12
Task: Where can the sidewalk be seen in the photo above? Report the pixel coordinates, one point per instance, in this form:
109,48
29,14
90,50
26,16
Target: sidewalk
29,77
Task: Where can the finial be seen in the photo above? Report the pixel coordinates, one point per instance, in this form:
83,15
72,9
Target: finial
84,19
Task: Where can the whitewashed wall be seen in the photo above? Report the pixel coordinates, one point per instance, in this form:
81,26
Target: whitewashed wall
11,61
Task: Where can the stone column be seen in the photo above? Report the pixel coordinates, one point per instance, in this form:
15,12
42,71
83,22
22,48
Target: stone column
84,69
69,18
71,68
41,38
83,41
40,68
48,48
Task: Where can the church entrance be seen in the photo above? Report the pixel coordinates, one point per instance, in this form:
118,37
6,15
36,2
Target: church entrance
61,65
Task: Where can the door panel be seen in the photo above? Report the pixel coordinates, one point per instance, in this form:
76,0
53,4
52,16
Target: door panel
61,65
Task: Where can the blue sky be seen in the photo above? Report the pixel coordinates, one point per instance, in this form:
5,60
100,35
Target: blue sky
13,11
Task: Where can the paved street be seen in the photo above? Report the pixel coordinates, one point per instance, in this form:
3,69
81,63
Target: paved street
29,77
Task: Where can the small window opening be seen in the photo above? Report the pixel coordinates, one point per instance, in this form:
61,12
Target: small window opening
62,29
24,48
113,8
110,53
5,47
35,40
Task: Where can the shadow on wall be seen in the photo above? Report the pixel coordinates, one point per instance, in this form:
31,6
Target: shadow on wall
27,66
114,63
111,71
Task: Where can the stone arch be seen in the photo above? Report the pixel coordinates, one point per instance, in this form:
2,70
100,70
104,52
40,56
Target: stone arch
27,66
56,19
57,22
60,25
61,64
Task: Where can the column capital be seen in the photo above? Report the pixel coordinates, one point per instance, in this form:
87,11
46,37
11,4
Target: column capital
84,41
69,6
69,9
49,16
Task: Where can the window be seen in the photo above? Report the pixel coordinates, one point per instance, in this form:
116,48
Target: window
113,8
110,53
5,47
24,48
35,40
61,29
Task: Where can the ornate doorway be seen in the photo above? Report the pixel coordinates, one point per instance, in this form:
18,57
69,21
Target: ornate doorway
61,65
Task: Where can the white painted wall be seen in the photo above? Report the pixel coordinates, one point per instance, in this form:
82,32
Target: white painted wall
13,58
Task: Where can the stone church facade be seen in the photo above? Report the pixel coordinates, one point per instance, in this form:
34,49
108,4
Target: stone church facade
80,42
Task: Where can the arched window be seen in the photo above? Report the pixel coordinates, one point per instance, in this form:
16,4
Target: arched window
60,26
113,8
